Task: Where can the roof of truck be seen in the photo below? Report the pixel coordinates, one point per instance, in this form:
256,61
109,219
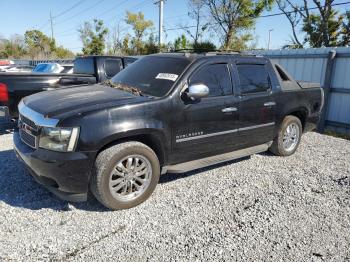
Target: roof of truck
194,55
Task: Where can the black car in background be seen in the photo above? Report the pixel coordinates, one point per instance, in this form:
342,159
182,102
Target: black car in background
87,70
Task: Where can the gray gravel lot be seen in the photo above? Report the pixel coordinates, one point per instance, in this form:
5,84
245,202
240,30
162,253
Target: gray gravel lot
263,208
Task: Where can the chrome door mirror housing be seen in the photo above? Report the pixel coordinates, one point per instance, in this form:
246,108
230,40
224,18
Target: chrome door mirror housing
197,91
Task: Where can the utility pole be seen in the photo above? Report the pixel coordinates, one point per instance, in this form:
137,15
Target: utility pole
268,43
160,35
51,26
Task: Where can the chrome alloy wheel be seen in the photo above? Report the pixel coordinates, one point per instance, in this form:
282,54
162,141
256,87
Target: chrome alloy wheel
291,137
130,178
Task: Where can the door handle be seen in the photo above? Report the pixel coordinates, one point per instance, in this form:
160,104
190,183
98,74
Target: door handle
229,109
270,104
48,88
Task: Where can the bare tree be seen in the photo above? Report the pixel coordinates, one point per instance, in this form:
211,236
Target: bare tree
294,19
323,25
114,43
235,16
196,13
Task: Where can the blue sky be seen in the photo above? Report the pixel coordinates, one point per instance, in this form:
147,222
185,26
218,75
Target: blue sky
17,16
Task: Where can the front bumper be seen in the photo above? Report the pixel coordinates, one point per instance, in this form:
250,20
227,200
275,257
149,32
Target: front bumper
66,175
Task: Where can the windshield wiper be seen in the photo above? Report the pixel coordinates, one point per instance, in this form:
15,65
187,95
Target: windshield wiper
123,87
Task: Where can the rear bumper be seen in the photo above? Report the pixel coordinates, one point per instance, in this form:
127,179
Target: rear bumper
311,123
66,175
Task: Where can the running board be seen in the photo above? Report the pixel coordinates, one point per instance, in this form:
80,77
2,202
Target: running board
208,161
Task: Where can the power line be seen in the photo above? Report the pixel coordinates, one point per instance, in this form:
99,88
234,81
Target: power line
66,32
262,16
44,25
63,33
69,9
112,8
48,22
176,16
137,6
79,13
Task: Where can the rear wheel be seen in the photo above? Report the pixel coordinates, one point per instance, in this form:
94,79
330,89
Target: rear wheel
288,137
125,175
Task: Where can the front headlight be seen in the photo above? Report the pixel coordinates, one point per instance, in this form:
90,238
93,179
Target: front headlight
62,139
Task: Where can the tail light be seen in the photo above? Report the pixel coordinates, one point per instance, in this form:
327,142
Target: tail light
4,94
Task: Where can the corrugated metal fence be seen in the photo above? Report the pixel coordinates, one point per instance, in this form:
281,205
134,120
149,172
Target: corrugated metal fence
331,68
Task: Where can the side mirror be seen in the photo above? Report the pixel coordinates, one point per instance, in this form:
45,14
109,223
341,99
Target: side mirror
197,91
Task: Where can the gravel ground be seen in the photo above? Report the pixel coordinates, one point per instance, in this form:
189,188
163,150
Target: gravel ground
260,208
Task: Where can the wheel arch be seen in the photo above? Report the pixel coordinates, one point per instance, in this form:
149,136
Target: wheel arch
301,113
150,137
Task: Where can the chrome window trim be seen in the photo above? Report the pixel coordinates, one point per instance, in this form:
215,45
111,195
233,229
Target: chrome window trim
256,126
37,118
223,132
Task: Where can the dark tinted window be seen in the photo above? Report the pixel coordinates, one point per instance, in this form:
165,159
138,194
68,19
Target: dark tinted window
216,77
152,75
113,66
253,78
129,60
66,69
84,65
282,74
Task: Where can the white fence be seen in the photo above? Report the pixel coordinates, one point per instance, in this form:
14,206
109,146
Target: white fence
35,62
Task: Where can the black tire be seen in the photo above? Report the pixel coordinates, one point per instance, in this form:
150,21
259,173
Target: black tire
105,163
277,147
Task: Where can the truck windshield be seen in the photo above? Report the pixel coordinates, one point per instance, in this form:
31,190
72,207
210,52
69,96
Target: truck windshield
152,75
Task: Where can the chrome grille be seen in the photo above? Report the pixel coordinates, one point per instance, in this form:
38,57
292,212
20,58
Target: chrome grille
28,122
27,138
28,131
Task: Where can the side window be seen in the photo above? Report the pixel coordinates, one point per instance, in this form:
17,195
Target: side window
216,77
129,60
112,67
281,73
253,78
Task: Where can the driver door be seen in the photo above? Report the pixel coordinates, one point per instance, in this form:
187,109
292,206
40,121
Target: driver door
208,126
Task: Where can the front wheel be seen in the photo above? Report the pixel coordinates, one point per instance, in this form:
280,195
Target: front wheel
288,137
125,175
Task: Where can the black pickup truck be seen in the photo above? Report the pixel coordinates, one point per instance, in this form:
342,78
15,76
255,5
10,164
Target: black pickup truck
87,70
165,113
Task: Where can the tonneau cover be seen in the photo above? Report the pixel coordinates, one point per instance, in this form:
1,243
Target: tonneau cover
305,85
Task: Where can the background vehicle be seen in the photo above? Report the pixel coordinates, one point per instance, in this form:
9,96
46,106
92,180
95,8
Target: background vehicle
165,113
5,63
87,70
17,68
53,68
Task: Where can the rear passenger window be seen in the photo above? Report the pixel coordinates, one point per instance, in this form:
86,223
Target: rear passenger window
216,77
253,78
281,73
129,60
84,65
112,67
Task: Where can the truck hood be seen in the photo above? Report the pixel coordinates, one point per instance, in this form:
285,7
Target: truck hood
73,100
